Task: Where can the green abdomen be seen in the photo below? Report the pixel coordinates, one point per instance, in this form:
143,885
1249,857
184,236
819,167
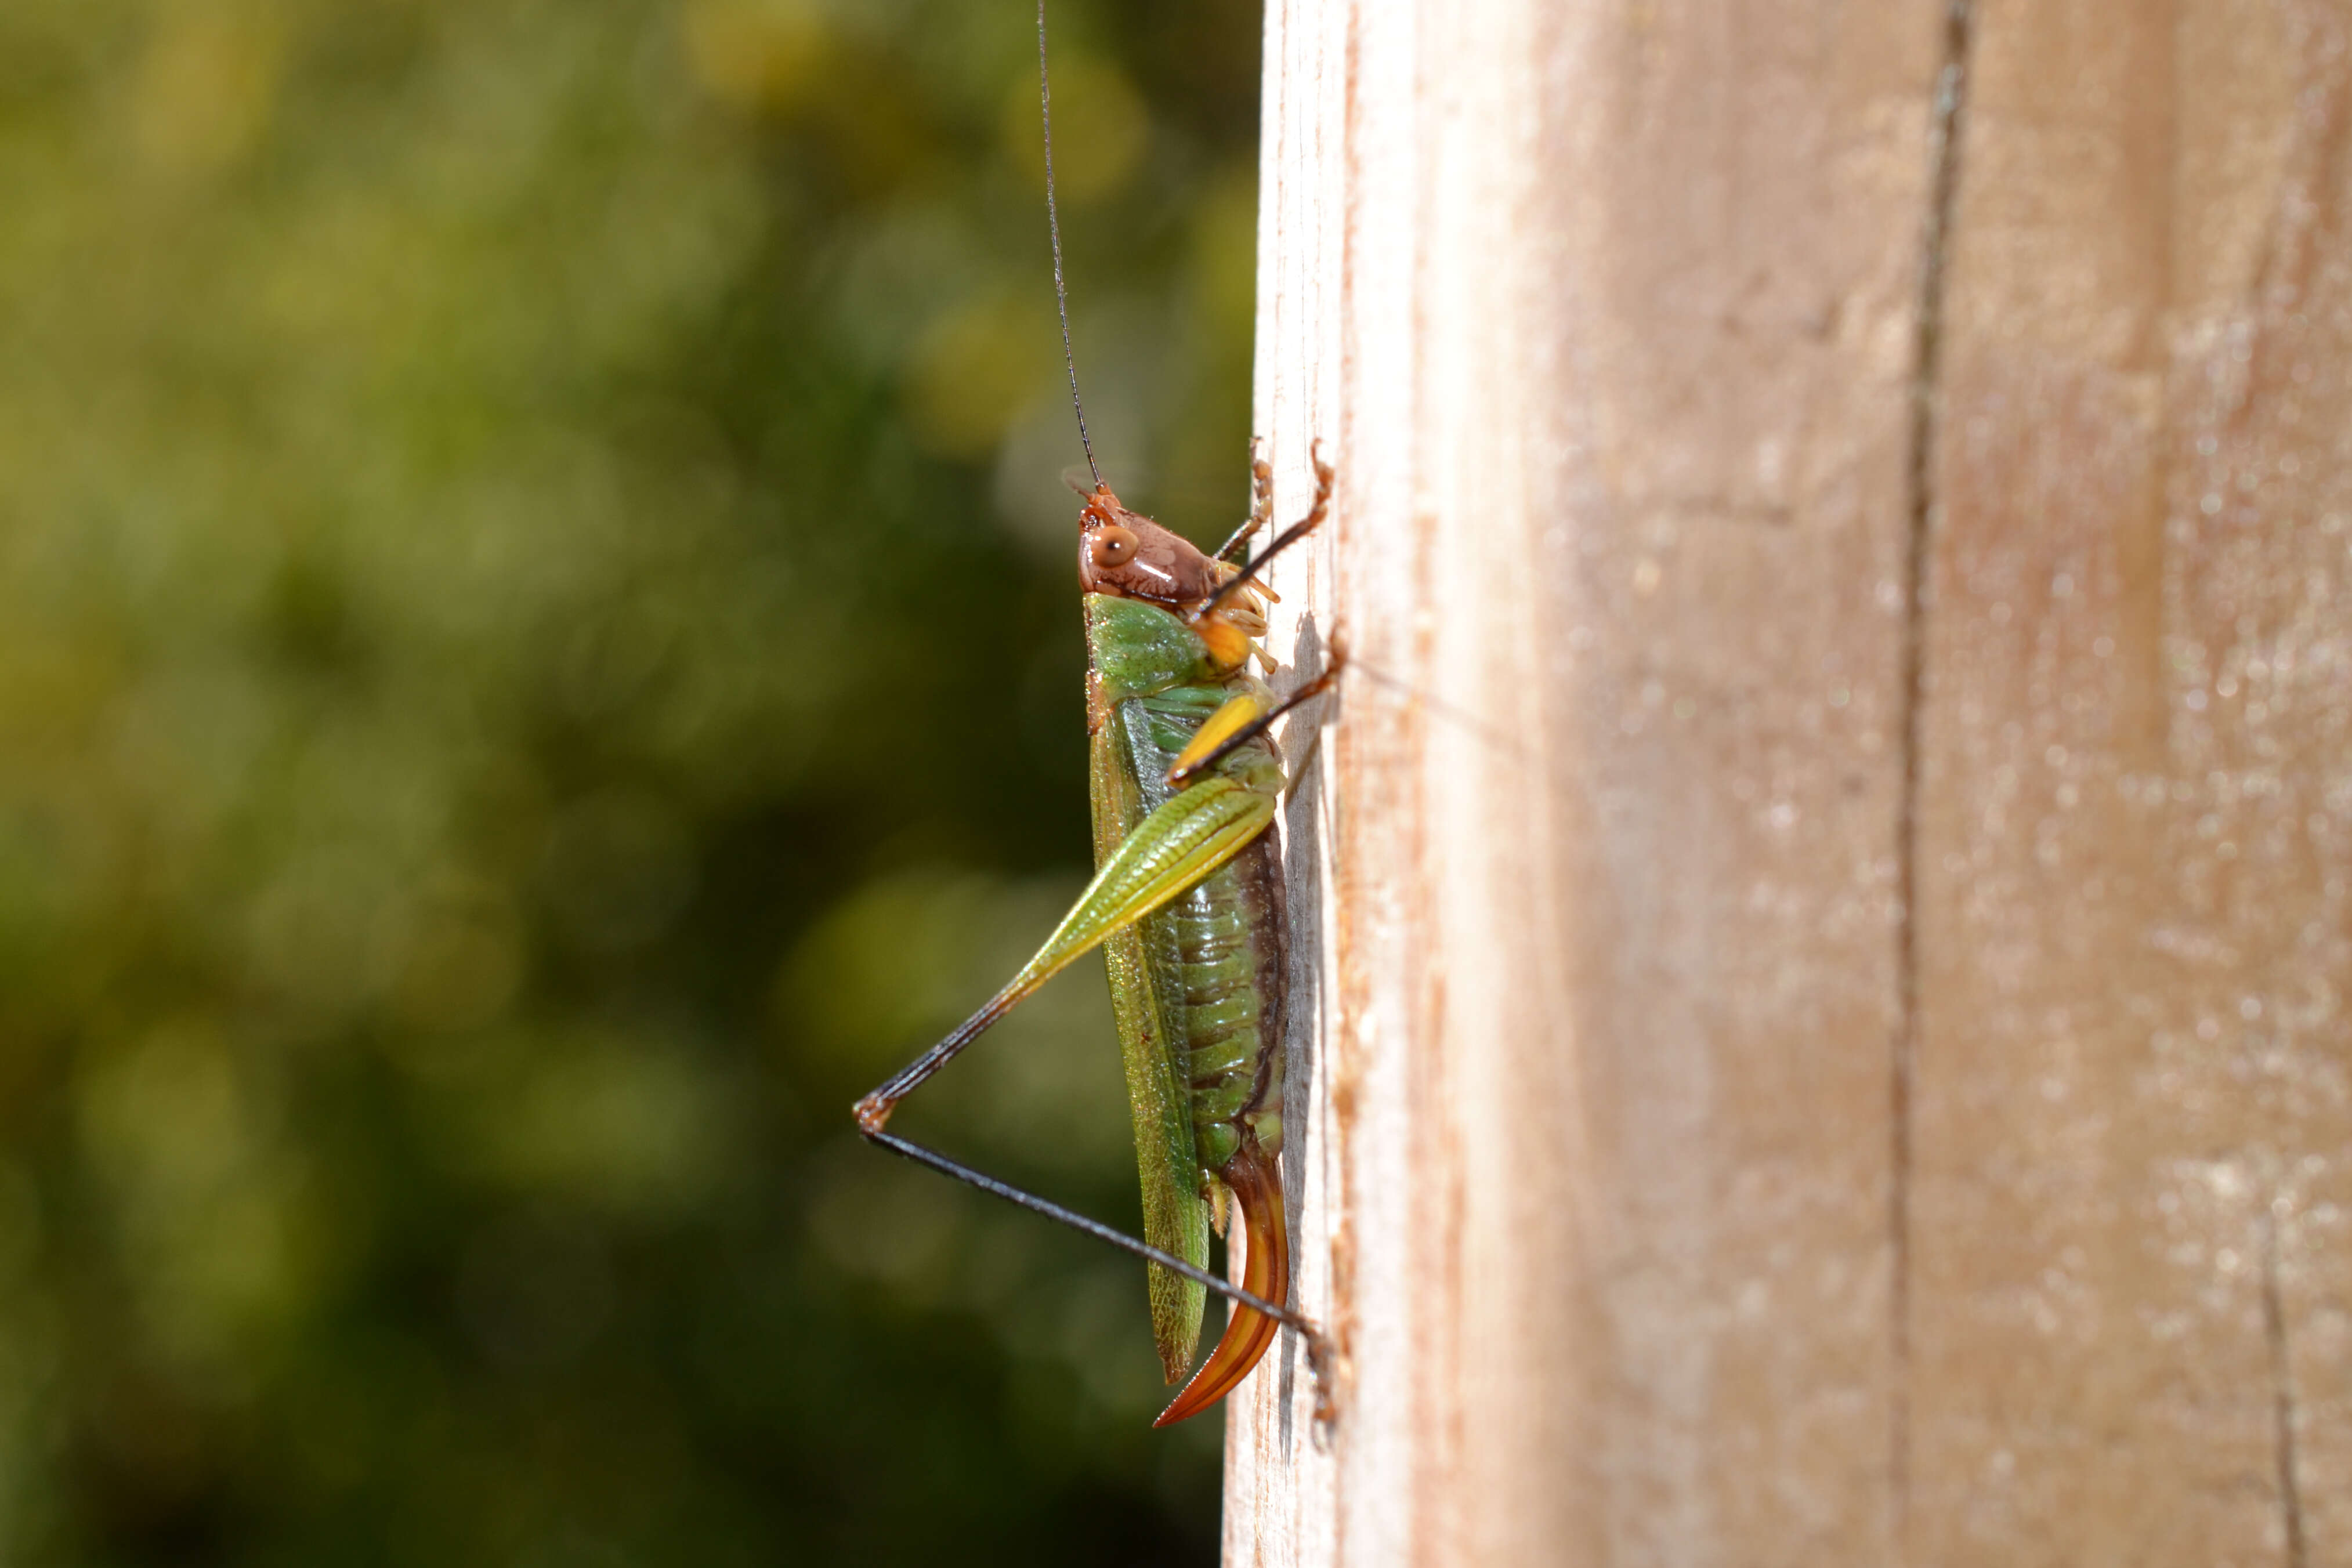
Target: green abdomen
1227,935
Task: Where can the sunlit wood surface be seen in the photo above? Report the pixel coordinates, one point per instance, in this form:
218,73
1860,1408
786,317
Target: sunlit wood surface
1826,906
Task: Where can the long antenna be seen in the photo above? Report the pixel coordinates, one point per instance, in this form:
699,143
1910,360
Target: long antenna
1053,222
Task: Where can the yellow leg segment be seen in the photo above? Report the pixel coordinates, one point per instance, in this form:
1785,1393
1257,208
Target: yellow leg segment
1238,714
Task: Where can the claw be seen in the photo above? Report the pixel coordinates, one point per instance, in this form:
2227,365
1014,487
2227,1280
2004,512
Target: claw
1266,1273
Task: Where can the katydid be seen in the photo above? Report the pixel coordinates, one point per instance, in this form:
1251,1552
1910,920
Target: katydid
1186,902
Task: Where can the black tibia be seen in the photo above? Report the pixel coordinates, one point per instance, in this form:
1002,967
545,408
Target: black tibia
1094,1227
875,1110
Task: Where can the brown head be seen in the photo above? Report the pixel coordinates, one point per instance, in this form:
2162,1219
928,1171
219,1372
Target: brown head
1127,554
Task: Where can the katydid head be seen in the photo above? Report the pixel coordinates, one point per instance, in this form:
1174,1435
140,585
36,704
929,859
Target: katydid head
1127,554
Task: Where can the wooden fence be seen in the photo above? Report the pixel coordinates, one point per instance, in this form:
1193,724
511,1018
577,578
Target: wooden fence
1827,901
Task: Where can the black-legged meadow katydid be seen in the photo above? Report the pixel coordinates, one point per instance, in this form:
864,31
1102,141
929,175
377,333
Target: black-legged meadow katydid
1186,903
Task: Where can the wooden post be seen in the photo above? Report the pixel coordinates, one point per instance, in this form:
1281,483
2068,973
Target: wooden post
1824,1028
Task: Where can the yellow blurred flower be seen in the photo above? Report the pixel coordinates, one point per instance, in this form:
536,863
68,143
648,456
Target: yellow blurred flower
969,376
754,54
206,87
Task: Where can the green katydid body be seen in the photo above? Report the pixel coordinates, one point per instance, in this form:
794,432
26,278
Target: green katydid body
1186,901
1197,986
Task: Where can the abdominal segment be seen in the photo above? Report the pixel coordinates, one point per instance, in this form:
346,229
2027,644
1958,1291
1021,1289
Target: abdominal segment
1229,940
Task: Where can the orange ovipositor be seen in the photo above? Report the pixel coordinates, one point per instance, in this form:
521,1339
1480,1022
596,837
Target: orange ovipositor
1266,1273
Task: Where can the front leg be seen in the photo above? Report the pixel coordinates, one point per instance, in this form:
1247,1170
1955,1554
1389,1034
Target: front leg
1325,477
1261,505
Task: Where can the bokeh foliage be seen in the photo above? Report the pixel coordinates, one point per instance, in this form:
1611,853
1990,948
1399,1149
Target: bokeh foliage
538,657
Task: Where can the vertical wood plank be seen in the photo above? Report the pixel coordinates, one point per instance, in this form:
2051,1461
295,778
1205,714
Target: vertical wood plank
2133,1126
1607,316
1638,1240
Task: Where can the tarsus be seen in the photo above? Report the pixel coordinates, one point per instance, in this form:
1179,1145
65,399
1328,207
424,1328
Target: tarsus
1053,222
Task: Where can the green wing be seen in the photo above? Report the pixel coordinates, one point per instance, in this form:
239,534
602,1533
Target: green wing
1148,1005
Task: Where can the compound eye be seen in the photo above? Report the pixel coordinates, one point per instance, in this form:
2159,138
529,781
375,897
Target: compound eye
1113,546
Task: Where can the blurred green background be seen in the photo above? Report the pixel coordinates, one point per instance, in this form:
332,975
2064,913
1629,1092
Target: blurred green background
539,658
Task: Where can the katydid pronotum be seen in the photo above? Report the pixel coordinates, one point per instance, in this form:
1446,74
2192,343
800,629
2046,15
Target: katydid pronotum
1186,901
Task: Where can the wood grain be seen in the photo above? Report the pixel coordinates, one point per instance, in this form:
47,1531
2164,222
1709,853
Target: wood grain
1607,315
1826,906
2131,1275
